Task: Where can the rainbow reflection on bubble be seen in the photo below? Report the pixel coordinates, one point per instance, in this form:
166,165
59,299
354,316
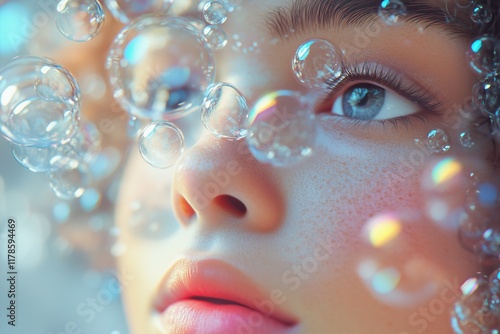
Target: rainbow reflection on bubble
281,128
382,229
446,170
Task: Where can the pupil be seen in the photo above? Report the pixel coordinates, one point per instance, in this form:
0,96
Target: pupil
363,101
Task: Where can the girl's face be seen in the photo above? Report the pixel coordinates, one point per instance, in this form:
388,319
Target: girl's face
221,225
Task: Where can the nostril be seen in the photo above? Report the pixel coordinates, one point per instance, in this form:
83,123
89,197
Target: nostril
231,204
186,209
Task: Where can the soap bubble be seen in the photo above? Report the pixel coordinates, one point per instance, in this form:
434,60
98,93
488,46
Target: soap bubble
87,141
282,129
79,20
225,111
315,62
392,11
466,139
70,176
160,67
215,37
438,141
487,96
473,312
215,12
39,102
390,270
484,55
33,158
127,10
481,14
495,282
161,144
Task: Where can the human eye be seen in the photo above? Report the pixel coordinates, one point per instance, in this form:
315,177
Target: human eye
369,92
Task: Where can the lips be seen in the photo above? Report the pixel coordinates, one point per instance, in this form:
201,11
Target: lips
210,296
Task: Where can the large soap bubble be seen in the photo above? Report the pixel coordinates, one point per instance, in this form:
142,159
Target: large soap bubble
160,67
128,10
39,102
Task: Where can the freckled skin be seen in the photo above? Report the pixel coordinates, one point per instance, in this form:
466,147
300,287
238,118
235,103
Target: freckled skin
294,210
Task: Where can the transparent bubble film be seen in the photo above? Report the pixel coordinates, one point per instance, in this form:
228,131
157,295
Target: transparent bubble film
225,111
282,129
315,62
161,144
392,12
160,67
39,102
127,10
79,20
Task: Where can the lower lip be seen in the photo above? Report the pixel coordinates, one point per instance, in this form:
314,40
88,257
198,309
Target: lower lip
196,316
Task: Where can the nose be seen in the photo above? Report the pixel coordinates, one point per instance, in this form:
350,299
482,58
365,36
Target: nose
218,183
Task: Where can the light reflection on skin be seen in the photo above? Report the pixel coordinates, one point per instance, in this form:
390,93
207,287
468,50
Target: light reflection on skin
291,211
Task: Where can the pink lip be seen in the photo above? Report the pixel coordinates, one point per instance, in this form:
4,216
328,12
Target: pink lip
210,296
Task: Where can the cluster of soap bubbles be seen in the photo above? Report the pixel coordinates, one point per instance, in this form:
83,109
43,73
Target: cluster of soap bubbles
478,308
40,116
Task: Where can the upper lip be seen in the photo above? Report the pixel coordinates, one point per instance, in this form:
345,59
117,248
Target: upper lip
210,278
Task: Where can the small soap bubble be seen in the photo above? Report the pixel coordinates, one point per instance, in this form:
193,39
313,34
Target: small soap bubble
39,102
79,20
466,3
484,55
486,96
215,12
472,313
151,78
392,12
90,200
33,158
69,176
225,111
495,282
161,144
215,37
282,128
315,62
481,14
466,139
127,10
438,141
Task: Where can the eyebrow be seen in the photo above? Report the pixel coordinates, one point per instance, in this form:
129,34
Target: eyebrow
305,15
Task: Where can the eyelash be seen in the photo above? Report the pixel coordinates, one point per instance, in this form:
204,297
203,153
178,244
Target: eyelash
377,74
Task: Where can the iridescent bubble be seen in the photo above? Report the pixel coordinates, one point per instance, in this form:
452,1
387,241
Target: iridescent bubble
465,3
215,12
39,102
33,158
215,37
484,55
282,128
127,10
438,141
161,144
466,139
481,14
79,20
390,270
160,67
392,12
472,313
487,96
447,174
224,111
69,176
315,62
